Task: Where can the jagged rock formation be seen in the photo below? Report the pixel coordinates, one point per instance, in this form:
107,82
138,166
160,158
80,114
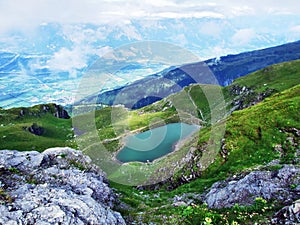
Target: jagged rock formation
58,186
56,110
282,185
289,215
60,112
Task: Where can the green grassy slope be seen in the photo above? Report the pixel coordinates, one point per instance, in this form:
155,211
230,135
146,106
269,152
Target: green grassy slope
250,141
279,77
190,105
14,132
262,83
257,129
252,134
251,137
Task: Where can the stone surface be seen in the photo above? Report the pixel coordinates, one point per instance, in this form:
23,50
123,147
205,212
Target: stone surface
289,215
60,112
56,110
245,97
58,186
282,185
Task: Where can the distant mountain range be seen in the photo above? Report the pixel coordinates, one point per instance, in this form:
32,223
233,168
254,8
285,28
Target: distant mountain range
29,79
220,71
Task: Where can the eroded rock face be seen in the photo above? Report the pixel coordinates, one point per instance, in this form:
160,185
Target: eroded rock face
58,186
56,110
289,215
60,112
282,185
36,129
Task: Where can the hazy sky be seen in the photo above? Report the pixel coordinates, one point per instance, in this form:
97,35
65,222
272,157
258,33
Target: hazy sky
58,27
68,35
20,14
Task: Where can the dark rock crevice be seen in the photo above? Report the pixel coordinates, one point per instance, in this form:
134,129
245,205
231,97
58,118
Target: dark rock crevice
36,129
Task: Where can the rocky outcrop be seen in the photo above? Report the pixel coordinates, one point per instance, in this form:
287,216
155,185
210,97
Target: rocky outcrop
289,215
36,129
56,110
245,97
58,186
60,112
282,185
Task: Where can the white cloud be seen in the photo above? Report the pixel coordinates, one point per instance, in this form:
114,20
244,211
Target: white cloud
242,10
178,15
294,33
258,7
212,29
114,19
66,59
180,39
220,51
295,29
25,15
243,36
130,32
74,59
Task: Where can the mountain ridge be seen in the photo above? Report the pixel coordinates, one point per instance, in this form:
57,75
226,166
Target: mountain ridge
260,139
157,86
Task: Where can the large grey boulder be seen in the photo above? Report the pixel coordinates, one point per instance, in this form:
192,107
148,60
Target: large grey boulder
282,184
58,186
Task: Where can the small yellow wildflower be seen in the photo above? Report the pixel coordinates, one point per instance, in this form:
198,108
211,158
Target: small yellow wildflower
208,220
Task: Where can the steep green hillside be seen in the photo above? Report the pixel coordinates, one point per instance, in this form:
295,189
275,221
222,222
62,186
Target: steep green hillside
252,139
242,93
256,130
254,136
192,105
15,124
278,77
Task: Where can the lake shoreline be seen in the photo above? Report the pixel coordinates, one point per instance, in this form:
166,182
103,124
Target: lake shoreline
175,146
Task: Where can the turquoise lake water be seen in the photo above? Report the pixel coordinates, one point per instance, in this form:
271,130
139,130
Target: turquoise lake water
154,143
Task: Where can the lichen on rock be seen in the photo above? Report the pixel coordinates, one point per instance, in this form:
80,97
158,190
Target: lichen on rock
58,186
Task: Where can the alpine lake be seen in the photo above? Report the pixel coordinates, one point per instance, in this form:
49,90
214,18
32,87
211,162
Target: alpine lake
154,143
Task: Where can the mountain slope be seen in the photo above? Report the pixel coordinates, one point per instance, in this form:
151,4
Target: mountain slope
189,105
254,137
35,128
242,93
214,71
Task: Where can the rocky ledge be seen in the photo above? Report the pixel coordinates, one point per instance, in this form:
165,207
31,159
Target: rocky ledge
277,183
280,184
58,186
